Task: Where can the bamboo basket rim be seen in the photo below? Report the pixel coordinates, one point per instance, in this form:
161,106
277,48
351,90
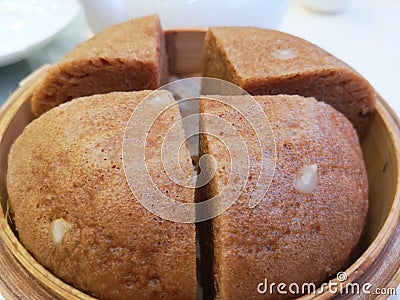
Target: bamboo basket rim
6,234
61,289
391,120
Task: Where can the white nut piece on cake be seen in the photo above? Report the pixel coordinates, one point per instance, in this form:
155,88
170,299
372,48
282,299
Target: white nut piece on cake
58,229
307,179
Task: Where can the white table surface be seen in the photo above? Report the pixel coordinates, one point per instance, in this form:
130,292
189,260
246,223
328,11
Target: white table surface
366,36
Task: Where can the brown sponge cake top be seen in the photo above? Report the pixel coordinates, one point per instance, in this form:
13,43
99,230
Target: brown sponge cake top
129,56
257,52
292,235
75,213
133,39
268,62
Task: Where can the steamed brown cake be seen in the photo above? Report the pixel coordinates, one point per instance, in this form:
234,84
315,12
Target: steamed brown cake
295,234
76,214
130,56
268,62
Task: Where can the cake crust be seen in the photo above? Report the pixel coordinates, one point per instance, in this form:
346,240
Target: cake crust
130,56
290,236
66,175
268,62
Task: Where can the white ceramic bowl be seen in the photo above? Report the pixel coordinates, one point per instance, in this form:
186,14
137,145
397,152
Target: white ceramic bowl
187,13
327,6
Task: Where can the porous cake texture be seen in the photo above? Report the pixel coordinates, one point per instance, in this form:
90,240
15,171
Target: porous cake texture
75,213
130,56
268,62
308,224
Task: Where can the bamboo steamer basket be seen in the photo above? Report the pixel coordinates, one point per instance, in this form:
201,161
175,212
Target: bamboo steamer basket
22,277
